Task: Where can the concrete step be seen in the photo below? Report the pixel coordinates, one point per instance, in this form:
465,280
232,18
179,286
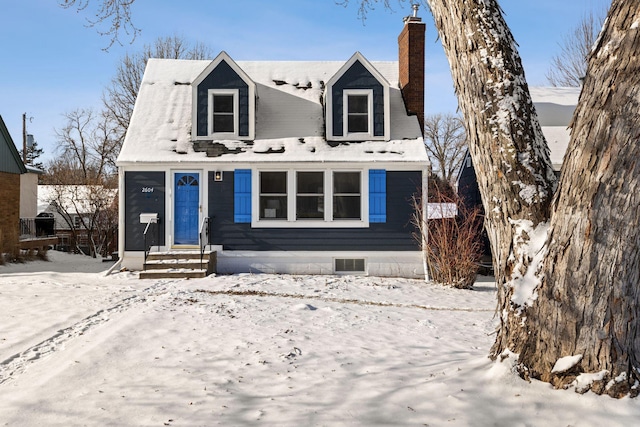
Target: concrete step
183,263
173,273
179,264
178,255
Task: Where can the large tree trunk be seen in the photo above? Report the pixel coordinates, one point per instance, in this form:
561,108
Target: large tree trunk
590,294
508,149
569,306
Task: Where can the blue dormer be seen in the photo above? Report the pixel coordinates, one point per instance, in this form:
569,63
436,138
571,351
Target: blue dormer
357,103
223,102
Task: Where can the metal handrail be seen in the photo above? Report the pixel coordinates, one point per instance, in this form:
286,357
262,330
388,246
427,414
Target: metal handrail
203,237
147,248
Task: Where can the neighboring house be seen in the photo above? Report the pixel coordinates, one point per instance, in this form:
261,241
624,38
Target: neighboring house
29,192
30,226
11,168
72,209
555,107
298,167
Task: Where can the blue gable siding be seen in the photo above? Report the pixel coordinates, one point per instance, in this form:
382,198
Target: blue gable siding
357,77
223,77
393,235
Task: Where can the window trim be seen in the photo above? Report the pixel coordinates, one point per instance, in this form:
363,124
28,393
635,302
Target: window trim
261,194
346,93
334,194
236,113
328,221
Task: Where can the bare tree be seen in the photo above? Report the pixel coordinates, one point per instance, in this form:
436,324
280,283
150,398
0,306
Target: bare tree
83,176
88,144
120,95
569,66
446,143
115,13
366,6
89,214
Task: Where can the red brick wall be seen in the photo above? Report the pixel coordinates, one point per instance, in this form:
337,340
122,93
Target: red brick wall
9,208
411,66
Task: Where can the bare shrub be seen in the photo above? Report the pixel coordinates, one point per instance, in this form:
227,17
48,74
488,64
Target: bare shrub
451,242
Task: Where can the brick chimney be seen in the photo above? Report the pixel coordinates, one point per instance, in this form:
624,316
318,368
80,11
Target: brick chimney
411,64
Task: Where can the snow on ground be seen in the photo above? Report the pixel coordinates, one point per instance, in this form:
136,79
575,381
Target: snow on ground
81,348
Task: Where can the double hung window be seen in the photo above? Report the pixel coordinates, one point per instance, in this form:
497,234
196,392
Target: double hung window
358,112
223,112
310,195
273,195
346,195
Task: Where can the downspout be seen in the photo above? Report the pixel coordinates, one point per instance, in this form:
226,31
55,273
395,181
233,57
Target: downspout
425,219
121,213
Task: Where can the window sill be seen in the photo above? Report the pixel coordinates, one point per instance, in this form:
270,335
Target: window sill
358,137
280,223
221,136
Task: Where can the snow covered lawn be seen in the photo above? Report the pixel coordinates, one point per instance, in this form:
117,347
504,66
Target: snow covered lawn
81,348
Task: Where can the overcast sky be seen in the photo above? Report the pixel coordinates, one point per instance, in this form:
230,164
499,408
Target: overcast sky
52,63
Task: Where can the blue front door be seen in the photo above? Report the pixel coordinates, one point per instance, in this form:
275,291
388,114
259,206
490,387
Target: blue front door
187,208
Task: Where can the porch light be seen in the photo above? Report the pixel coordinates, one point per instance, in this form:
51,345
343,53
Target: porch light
217,176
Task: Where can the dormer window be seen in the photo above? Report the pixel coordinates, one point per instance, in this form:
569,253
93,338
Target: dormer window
223,108
224,102
358,106
357,103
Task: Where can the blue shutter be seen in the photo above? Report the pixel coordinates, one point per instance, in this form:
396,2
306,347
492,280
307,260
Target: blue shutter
242,195
377,195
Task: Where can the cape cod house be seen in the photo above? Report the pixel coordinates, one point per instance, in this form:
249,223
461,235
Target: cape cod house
286,167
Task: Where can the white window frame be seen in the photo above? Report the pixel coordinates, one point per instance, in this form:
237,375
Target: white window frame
261,194
236,113
332,194
291,221
345,113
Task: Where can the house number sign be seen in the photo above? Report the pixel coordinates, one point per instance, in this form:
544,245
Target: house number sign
147,189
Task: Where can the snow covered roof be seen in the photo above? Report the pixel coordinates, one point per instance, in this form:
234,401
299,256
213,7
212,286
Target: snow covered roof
555,107
33,169
73,198
289,117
